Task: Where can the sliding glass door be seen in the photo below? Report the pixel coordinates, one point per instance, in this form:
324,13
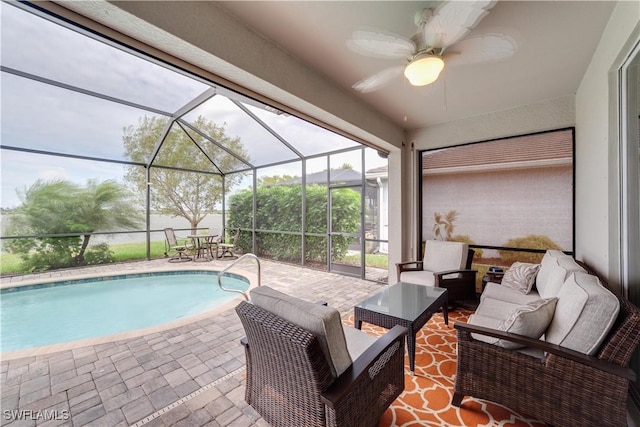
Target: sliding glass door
630,188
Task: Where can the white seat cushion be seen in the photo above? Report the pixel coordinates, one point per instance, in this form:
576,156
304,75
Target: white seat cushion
418,277
487,322
585,313
322,321
496,309
357,341
499,292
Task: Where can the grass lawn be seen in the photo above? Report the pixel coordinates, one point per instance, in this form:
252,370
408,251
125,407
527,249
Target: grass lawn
371,260
12,264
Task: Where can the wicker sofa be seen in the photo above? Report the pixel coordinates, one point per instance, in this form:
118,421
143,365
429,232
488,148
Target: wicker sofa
576,376
305,368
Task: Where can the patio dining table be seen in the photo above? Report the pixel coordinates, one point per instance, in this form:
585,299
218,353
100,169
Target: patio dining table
202,246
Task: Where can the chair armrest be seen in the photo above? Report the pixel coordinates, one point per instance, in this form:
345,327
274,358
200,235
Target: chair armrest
404,265
408,266
463,272
359,369
461,286
465,330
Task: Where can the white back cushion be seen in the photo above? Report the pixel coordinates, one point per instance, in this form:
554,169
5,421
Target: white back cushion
584,314
548,263
322,321
553,272
502,293
443,256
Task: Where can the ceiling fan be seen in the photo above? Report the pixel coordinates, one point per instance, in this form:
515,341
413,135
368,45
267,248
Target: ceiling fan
439,39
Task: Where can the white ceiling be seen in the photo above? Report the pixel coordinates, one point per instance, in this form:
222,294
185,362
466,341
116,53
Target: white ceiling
555,42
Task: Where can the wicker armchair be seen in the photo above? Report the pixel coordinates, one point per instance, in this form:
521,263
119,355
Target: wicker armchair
445,265
290,382
565,388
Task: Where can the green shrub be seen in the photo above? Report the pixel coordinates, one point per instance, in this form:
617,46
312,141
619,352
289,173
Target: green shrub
98,254
279,208
47,253
13,263
532,241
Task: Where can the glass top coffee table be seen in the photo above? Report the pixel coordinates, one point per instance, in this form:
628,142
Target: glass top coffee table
403,304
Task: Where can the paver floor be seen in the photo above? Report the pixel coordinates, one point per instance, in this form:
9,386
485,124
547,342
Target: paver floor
189,375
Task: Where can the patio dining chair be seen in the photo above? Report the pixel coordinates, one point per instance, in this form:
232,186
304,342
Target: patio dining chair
180,247
227,246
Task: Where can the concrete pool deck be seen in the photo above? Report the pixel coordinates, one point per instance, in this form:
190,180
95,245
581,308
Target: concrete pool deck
189,373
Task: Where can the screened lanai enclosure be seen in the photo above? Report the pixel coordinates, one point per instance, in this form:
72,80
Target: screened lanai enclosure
104,146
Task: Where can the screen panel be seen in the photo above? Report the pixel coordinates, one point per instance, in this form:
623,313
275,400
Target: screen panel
511,192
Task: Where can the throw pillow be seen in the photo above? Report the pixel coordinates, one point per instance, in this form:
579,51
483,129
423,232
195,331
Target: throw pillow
530,320
521,276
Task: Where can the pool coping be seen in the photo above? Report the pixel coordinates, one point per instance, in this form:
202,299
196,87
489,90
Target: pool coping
68,275
71,345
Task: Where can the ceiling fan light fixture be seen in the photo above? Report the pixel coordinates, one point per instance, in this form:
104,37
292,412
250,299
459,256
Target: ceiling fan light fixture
424,69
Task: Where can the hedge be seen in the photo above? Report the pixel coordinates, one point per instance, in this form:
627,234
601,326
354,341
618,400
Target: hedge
279,208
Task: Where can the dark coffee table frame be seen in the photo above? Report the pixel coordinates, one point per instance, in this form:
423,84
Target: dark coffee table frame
387,321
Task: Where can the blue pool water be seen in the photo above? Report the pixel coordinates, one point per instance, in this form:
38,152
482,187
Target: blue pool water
72,310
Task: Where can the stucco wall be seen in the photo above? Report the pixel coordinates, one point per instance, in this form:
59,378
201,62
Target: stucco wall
597,222
552,114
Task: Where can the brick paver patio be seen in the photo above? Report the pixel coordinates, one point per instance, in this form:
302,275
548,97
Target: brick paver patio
190,375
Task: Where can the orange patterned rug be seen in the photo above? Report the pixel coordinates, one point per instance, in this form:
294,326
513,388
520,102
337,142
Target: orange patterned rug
426,400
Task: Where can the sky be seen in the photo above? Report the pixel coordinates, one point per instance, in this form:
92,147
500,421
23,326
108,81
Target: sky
46,117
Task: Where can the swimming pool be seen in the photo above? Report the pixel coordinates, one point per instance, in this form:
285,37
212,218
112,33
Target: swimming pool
50,313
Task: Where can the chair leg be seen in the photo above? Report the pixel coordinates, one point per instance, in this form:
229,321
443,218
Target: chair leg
180,256
457,399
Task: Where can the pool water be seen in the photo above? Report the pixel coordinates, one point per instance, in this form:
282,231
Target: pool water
53,314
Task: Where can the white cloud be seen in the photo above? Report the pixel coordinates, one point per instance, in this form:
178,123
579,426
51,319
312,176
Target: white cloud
19,170
52,174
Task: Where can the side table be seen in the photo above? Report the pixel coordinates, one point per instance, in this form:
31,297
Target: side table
492,276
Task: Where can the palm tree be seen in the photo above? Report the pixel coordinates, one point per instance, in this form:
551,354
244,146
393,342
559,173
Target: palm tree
443,227
60,207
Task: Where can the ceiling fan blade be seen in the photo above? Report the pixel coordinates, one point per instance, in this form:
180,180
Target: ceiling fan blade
482,48
452,20
379,79
380,44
